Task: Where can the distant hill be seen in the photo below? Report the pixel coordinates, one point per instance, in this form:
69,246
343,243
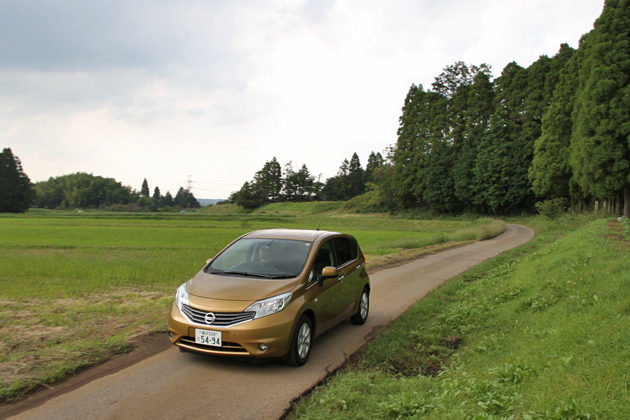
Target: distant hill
208,201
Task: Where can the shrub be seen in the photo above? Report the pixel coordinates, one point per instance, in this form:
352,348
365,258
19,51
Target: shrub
552,208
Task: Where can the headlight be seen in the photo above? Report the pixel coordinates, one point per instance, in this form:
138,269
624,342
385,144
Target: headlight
269,306
181,297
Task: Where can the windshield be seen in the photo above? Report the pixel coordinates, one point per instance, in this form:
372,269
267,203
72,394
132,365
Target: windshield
263,258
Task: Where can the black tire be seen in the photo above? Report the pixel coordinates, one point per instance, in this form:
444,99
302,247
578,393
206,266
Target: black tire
363,310
301,343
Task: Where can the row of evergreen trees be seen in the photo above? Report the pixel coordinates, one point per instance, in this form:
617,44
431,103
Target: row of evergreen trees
184,199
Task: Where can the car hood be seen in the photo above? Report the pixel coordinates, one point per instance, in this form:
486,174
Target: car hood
219,287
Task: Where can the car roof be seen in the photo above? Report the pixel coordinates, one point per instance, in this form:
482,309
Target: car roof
295,234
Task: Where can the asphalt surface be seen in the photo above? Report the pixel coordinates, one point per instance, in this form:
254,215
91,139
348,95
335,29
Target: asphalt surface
173,385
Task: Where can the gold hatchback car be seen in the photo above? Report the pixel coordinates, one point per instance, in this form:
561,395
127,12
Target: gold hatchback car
269,293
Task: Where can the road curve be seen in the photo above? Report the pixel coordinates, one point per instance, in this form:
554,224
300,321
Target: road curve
174,385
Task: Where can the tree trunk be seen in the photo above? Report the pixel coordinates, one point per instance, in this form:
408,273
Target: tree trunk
626,201
618,210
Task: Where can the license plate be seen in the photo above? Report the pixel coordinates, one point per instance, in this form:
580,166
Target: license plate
207,337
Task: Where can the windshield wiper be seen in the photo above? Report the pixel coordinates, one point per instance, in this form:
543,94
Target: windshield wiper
282,276
242,273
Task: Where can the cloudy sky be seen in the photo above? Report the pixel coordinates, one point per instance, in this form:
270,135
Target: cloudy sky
171,89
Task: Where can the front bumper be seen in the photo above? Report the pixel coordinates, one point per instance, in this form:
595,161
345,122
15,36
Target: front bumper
242,340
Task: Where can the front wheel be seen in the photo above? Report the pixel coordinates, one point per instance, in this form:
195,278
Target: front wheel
364,308
301,344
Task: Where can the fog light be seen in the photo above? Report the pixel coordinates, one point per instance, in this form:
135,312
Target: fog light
262,347
170,334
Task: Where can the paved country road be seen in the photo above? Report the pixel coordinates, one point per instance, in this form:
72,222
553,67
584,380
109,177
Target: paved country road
171,385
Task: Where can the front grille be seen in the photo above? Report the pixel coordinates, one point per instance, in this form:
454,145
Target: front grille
222,319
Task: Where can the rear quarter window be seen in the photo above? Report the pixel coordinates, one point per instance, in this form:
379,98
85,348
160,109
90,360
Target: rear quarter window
346,250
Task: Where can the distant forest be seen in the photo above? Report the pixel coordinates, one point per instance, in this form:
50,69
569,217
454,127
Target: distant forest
81,190
556,131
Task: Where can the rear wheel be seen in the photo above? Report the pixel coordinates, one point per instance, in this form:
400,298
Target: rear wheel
364,308
301,344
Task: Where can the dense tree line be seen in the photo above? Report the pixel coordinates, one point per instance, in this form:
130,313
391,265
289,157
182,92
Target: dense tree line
468,144
16,190
81,190
584,151
271,184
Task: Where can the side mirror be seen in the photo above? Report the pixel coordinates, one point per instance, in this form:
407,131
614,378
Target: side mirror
328,272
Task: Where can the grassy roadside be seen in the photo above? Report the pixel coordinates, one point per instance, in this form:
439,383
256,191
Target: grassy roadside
540,332
75,287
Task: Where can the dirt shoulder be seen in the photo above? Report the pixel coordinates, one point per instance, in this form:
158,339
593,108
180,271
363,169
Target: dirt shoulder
145,346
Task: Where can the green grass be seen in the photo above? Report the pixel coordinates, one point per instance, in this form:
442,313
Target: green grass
540,332
75,287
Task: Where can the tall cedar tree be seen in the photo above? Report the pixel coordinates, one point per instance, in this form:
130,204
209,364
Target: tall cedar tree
167,200
493,171
268,181
525,95
289,179
375,161
478,110
249,197
157,198
439,192
16,190
424,121
511,94
306,188
550,172
337,188
600,154
356,176
145,189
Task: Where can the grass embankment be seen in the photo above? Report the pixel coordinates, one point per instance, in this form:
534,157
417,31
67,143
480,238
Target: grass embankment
540,332
74,287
